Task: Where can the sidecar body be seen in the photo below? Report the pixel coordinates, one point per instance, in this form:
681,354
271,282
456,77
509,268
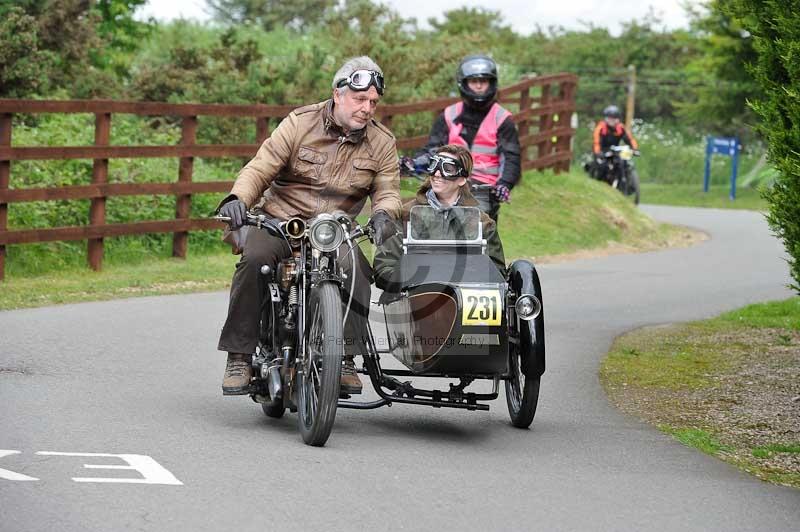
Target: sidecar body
447,315
449,312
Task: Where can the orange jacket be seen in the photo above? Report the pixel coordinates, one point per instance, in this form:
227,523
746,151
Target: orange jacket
604,137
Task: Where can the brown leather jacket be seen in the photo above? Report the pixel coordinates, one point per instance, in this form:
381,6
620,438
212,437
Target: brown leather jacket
308,166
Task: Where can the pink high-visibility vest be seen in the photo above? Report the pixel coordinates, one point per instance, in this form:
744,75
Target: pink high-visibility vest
485,159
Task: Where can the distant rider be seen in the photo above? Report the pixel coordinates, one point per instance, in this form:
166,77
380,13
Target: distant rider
609,132
480,124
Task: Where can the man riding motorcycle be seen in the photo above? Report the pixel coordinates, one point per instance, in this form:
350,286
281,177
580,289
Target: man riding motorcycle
322,158
480,124
608,132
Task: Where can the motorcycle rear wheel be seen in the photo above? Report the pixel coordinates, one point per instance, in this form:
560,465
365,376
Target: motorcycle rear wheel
318,382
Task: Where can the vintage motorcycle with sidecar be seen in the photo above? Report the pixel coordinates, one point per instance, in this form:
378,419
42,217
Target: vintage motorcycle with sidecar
447,313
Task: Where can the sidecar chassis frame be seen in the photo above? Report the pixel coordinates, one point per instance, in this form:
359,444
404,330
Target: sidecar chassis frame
391,390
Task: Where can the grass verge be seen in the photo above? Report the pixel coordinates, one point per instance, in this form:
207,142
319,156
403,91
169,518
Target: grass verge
726,386
693,196
550,215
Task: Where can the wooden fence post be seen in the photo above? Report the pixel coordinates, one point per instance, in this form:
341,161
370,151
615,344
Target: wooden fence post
97,210
524,105
183,203
545,123
386,120
5,178
567,90
262,129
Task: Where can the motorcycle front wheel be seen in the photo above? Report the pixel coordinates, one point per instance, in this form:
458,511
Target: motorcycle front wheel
318,378
633,185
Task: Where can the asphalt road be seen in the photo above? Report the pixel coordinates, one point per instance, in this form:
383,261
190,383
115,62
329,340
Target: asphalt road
141,377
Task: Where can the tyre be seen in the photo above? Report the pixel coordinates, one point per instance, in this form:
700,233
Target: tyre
274,409
526,348
318,376
633,186
522,393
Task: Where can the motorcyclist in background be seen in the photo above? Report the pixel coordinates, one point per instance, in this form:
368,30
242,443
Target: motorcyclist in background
609,132
481,125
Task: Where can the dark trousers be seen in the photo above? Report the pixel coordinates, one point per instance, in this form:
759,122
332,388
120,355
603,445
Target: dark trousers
488,203
240,332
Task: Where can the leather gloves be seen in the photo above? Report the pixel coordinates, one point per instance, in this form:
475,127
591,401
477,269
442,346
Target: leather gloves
383,227
502,192
237,211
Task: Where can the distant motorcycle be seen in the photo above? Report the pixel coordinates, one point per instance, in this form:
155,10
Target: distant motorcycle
618,170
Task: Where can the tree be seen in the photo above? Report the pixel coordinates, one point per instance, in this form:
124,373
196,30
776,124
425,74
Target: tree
57,40
23,65
719,85
775,29
269,14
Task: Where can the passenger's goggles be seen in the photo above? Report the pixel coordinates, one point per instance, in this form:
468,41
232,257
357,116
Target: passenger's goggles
361,80
449,167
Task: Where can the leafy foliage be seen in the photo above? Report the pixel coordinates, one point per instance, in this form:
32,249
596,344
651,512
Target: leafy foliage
271,14
725,48
775,30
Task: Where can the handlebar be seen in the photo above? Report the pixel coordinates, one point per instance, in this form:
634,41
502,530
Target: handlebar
621,148
276,227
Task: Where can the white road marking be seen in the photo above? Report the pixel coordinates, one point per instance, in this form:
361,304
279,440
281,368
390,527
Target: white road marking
151,471
10,475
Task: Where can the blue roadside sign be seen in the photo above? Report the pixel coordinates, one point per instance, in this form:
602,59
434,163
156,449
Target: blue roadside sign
728,146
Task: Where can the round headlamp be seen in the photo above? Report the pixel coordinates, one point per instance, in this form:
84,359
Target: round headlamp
326,234
528,307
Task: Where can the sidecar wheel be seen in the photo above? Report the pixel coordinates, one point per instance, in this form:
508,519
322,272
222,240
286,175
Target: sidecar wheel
522,395
318,382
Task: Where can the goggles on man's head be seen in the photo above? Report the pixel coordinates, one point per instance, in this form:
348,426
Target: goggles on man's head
361,80
449,167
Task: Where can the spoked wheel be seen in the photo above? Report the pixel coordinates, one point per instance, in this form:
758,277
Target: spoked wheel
633,186
318,380
522,394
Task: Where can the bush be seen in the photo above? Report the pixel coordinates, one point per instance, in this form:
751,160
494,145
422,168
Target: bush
775,27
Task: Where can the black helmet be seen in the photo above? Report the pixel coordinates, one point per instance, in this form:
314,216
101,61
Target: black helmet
612,111
472,67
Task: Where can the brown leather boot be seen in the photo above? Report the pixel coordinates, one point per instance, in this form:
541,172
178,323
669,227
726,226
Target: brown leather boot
349,382
238,372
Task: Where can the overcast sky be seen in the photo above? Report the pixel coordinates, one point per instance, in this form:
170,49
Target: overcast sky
522,15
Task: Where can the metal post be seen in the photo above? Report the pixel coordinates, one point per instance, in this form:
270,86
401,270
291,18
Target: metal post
707,175
735,165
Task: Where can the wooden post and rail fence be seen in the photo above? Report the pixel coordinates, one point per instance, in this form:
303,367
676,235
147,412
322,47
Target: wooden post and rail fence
543,120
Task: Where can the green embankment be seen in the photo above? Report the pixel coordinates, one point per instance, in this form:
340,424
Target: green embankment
726,386
549,215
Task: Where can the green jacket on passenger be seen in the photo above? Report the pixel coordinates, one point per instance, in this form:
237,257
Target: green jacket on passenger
387,255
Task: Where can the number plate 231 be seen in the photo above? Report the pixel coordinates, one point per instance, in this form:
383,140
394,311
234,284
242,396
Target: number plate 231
481,307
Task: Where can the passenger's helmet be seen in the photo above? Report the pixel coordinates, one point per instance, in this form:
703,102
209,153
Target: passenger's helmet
477,66
612,111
